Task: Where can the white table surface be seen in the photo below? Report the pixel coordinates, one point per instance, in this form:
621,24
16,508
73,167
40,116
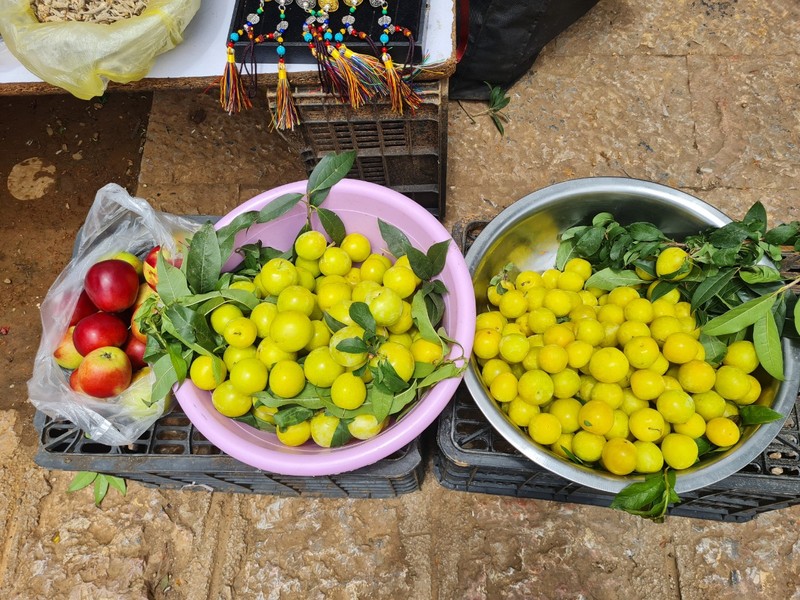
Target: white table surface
202,52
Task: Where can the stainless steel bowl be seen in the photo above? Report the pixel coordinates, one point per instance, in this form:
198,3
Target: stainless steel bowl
526,233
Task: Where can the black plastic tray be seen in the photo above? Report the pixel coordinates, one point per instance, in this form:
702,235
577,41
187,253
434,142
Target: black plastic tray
472,457
172,454
406,13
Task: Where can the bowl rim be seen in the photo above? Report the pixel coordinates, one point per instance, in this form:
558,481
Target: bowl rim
314,460
694,478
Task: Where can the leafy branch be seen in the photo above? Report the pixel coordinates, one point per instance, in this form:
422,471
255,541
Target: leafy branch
498,100
731,291
101,483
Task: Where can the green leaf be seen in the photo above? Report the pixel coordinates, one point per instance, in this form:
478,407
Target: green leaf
608,279
781,234
333,324
714,347
796,316
341,435
226,235
420,263
756,218
203,261
768,345
117,483
81,480
388,377
442,372
755,414
589,243
421,318
165,376
100,489
573,232
566,251
310,397
278,207
711,286
396,240
405,398
171,281
382,402
645,232
704,446
602,219
180,322
640,495
730,235
245,299
662,288
498,123
251,254
437,255
760,274
360,313
332,224
353,345
292,416
739,317
328,172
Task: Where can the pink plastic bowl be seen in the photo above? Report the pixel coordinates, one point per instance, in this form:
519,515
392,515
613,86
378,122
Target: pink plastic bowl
359,204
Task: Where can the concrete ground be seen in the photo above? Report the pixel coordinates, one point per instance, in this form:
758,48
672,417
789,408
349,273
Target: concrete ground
700,95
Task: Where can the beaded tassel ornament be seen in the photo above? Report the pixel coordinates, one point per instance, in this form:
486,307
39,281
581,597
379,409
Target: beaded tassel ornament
232,93
399,91
286,116
345,74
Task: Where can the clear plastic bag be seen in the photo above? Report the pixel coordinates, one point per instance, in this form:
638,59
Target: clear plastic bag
116,222
82,57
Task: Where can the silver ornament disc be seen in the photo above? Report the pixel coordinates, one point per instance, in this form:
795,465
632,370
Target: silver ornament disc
376,3
384,20
348,19
282,26
253,18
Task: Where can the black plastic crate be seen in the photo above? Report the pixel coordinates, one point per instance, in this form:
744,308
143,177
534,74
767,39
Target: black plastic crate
405,13
472,457
172,454
407,153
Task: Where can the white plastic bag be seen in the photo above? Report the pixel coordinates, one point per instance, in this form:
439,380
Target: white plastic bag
116,222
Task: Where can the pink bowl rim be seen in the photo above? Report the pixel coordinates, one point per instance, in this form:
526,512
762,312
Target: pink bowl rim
317,461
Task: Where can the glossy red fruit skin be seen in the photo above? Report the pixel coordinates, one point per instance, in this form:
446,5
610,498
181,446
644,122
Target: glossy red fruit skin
135,348
150,266
149,271
104,372
98,330
73,381
112,285
83,308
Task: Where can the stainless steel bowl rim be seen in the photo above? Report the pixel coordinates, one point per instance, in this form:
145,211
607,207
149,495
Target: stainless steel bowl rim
693,479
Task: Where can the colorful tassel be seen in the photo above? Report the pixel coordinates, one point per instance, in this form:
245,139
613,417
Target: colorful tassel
401,94
232,94
357,92
368,71
286,115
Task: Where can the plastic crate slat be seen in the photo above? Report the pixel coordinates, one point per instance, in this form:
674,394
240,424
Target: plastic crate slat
172,454
738,498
